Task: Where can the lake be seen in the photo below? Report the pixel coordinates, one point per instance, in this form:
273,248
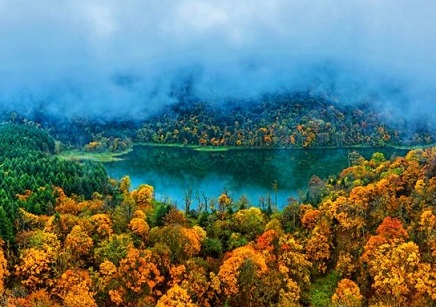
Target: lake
176,171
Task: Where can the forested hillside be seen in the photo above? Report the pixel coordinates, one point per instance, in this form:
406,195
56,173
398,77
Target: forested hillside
29,174
73,237
271,121
283,121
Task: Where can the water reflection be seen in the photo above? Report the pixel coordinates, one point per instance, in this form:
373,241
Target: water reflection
174,170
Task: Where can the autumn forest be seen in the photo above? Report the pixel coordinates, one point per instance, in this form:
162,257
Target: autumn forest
72,236
217,153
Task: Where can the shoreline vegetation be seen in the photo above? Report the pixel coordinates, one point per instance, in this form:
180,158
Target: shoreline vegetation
106,156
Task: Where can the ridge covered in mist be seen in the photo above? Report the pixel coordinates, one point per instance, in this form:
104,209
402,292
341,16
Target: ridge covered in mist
292,120
104,59
121,68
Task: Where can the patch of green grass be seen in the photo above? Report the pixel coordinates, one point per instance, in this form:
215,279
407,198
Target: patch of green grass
193,147
76,155
322,290
211,149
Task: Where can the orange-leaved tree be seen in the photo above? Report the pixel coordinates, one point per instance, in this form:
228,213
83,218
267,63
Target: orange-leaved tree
134,280
73,287
240,272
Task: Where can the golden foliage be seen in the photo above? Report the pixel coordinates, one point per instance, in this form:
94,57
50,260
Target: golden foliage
4,272
425,277
78,244
201,233
290,294
192,241
318,246
124,185
347,294
27,220
427,223
25,196
174,217
310,218
345,264
392,229
176,273
229,270
224,201
139,214
376,224
249,221
133,280
193,277
175,297
293,263
35,267
267,242
183,242
102,225
275,225
73,287
137,272
139,227
398,273
351,212
108,272
61,225
65,204
143,196
39,298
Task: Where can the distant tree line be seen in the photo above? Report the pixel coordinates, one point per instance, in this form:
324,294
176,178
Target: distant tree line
297,120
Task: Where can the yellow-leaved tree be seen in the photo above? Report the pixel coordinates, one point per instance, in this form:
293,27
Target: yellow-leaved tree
73,287
175,297
347,293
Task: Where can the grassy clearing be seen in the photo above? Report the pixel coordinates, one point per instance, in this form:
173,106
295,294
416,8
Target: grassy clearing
78,155
193,147
212,149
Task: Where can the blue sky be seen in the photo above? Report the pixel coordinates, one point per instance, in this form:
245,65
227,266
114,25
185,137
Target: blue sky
127,57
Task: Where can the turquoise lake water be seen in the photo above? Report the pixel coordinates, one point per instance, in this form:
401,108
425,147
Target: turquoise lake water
174,171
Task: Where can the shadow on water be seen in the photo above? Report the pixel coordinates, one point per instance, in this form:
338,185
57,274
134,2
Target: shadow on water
251,172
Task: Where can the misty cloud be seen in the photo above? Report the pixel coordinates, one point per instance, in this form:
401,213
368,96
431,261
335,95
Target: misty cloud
128,58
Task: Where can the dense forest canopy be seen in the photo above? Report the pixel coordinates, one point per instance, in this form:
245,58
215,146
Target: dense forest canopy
73,237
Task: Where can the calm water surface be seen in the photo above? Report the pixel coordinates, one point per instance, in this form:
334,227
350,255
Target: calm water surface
173,171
